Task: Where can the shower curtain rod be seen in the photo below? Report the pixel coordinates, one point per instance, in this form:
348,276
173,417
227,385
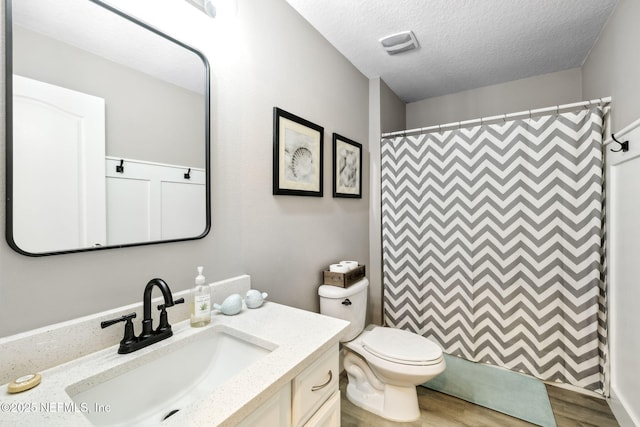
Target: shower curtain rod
511,116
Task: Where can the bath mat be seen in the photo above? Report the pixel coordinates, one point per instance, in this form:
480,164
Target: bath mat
495,388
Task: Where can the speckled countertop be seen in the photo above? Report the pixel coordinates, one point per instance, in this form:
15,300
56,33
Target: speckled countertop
298,337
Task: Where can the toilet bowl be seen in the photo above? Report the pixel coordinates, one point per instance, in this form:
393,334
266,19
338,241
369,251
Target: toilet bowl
383,365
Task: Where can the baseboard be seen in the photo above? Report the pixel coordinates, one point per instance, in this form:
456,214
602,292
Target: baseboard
619,410
575,389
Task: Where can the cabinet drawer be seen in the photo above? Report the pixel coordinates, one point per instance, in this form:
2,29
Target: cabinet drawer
328,415
314,386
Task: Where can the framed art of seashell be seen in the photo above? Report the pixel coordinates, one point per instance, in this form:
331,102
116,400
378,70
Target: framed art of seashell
347,168
297,155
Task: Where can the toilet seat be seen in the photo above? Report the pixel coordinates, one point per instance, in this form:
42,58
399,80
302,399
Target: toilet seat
403,347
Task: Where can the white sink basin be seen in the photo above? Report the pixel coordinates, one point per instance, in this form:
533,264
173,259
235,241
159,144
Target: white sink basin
147,389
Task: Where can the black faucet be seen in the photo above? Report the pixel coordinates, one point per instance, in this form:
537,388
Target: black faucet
130,342
147,321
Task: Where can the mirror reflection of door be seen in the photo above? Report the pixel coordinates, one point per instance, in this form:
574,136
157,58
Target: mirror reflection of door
62,139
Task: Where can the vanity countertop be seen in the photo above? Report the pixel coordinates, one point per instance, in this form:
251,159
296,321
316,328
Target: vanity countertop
300,338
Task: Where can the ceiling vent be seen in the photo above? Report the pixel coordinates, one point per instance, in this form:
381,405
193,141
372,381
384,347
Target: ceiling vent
399,42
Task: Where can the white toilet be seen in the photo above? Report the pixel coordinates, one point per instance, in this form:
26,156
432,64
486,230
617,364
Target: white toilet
384,365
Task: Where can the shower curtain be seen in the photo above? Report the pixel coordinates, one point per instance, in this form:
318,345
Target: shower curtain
492,243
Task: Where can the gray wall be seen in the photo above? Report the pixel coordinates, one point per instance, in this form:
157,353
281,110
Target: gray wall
386,113
266,56
546,90
145,116
393,111
613,66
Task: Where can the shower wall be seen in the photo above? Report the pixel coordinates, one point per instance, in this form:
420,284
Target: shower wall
563,87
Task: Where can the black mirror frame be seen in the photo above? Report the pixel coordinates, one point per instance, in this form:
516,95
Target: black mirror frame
9,136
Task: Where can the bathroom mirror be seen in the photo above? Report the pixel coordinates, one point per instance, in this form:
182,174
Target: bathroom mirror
107,130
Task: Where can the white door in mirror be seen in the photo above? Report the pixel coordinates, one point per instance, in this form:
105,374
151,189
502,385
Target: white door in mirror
66,147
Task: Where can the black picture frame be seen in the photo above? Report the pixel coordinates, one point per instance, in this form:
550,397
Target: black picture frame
347,168
297,155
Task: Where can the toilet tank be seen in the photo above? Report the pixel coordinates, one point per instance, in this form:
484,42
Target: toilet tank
346,303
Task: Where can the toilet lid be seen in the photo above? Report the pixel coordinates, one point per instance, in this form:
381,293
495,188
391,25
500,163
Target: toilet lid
401,346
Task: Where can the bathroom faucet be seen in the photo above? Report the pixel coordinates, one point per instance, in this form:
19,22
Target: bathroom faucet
147,321
148,336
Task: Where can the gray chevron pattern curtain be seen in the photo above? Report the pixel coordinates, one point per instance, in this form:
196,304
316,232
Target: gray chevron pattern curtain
492,241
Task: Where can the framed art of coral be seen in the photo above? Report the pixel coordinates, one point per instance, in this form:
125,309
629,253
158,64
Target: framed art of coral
347,168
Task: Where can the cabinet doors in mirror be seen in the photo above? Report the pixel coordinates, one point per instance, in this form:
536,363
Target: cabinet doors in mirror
107,130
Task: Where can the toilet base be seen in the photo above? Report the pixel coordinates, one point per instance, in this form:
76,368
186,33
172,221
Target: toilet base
395,403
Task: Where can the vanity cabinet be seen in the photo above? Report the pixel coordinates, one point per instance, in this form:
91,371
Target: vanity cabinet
274,412
311,399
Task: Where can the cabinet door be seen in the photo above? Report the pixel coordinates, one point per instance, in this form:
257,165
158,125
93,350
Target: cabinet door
314,386
328,415
275,412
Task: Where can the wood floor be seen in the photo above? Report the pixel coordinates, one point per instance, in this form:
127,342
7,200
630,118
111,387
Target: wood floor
440,410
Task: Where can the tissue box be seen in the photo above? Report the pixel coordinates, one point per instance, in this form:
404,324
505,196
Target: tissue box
344,279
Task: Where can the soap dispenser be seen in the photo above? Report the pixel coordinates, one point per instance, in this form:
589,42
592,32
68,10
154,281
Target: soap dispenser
201,303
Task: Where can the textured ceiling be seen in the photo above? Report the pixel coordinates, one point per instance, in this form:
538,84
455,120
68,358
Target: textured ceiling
464,44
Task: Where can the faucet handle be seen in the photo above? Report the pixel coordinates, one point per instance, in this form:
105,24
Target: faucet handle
126,317
164,321
175,301
129,337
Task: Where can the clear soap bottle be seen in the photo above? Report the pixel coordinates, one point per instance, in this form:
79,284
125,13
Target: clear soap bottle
201,303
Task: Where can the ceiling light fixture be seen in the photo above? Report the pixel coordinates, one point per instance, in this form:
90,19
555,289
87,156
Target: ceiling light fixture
399,42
